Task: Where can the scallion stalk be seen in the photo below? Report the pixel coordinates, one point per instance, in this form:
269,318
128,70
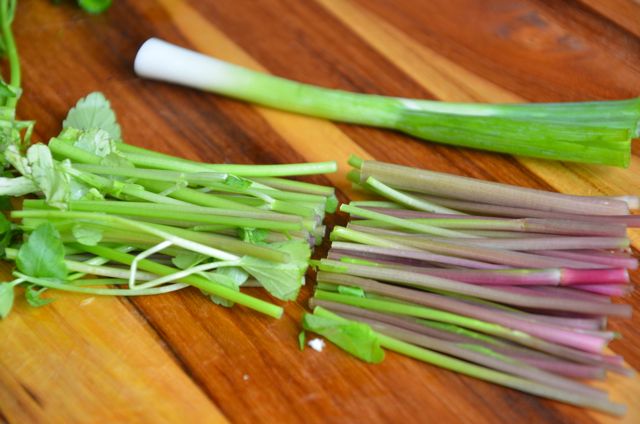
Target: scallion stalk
595,132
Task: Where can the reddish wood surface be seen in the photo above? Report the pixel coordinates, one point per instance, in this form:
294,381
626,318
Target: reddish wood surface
179,358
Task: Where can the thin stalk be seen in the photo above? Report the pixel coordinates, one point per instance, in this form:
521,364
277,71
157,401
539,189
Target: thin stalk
481,356
297,186
400,223
520,337
457,334
407,255
141,157
52,284
478,233
527,277
208,285
470,189
486,209
230,244
495,256
602,258
126,223
199,178
428,282
525,225
542,243
185,213
486,374
612,290
10,49
406,199
574,338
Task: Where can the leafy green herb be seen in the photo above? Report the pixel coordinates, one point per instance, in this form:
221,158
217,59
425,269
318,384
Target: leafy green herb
356,338
94,112
235,273
187,259
18,186
47,176
226,282
86,234
96,141
283,281
42,255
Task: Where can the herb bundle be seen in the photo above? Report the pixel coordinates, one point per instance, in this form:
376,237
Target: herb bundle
149,223
592,132
518,295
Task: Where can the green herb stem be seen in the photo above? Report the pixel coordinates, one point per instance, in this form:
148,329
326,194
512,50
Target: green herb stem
209,286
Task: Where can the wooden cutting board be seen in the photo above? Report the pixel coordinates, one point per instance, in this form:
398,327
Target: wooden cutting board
179,358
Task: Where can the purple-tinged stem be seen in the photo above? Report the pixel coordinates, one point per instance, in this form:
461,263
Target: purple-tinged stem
517,212
610,260
567,369
526,225
508,277
537,243
495,360
569,293
546,362
550,333
509,296
496,256
479,233
470,189
613,290
374,252
454,334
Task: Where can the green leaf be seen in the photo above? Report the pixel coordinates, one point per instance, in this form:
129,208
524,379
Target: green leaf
224,281
87,235
42,255
51,180
235,273
282,280
94,111
116,160
96,141
33,296
78,190
18,186
94,6
6,299
187,259
6,90
354,337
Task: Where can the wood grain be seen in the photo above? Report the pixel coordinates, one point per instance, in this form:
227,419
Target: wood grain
177,357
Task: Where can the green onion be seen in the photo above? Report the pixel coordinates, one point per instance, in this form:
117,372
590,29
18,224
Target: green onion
592,132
